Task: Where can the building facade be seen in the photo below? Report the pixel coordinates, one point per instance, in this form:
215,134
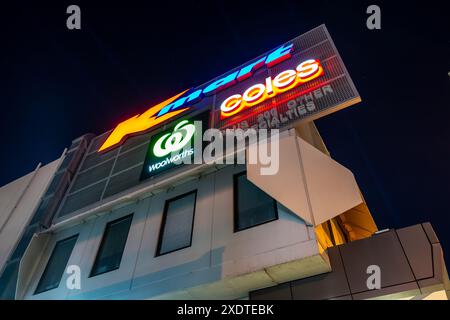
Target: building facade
117,218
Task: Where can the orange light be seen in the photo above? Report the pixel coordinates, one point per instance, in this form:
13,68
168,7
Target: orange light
140,123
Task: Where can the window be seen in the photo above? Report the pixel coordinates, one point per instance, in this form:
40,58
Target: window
111,248
177,223
252,206
8,281
56,265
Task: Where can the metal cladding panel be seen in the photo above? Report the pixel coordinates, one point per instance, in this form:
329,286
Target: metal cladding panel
26,200
10,195
129,159
431,235
123,181
407,268
55,182
325,286
327,93
23,243
42,210
98,141
65,164
383,250
418,250
88,185
91,176
96,158
135,141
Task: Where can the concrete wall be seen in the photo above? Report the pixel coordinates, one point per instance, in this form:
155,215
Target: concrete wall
219,264
18,201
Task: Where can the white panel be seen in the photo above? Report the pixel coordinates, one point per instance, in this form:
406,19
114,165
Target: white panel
308,182
288,185
29,263
31,271
332,188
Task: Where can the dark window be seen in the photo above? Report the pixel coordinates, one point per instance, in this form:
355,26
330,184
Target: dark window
252,206
177,224
111,248
56,265
8,281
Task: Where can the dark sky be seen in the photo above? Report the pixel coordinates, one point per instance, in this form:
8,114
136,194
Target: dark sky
60,84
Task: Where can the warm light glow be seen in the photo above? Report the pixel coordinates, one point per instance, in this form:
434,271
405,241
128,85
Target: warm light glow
284,81
140,123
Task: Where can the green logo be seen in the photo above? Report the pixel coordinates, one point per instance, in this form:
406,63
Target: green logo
174,141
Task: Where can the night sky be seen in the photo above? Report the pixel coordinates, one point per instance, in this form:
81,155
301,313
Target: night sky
60,84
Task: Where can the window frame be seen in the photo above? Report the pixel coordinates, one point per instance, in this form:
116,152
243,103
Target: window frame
91,274
236,205
36,292
164,218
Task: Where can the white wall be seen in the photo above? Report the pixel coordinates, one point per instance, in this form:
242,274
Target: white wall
219,264
18,201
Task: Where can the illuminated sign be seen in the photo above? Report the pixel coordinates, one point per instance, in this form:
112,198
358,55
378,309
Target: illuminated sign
140,123
311,84
304,79
270,60
180,103
175,140
173,147
284,81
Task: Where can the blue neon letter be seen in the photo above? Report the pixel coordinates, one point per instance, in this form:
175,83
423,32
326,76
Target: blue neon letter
221,83
279,55
248,70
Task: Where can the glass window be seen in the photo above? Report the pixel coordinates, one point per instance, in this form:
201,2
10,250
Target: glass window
177,224
252,206
112,246
56,265
8,281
